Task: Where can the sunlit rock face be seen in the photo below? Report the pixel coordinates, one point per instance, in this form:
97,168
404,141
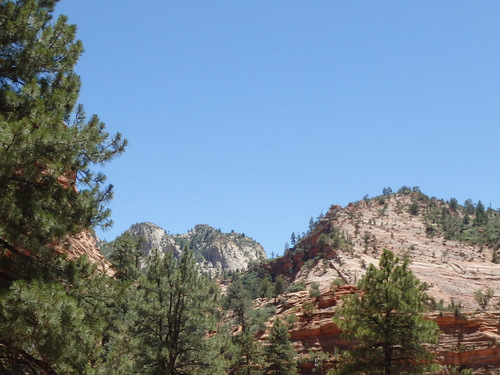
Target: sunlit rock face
215,251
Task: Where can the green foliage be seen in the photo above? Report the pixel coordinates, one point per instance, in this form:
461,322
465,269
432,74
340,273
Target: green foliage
336,283
126,256
470,224
41,331
297,287
280,286
483,297
279,353
385,321
42,147
266,288
259,317
174,311
55,325
247,356
405,190
336,239
387,191
308,310
413,208
238,300
314,290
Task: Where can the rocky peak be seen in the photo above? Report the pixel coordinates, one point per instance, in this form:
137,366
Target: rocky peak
214,250
154,238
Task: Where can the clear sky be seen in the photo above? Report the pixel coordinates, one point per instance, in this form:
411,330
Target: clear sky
256,115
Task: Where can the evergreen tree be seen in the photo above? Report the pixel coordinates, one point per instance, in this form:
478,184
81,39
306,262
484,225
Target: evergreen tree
385,321
41,331
279,353
481,216
312,224
239,301
280,286
174,312
247,359
126,256
46,147
266,288
57,325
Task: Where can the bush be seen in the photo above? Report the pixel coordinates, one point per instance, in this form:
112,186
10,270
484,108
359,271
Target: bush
336,283
291,319
314,290
297,287
483,297
308,310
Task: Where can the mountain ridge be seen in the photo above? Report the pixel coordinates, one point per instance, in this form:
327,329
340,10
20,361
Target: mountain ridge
215,251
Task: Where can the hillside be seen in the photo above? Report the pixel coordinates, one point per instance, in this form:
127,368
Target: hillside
215,251
449,249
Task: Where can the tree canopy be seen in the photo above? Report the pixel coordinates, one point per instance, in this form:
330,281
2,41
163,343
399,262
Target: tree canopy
47,145
385,322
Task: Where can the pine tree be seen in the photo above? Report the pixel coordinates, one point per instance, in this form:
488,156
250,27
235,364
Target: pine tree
312,224
385,322
174,312
279,353
481,216
55,326
239,301
280,286
47,148
126,256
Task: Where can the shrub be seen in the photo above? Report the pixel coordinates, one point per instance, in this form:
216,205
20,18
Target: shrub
297,287
314,290
308,310
483,297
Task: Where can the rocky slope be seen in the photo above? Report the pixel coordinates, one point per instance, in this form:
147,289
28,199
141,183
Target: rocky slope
471,340
348,239
214,250
85,243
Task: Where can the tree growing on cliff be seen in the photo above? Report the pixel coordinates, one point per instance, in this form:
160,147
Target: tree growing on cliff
279,353
385,322
47,148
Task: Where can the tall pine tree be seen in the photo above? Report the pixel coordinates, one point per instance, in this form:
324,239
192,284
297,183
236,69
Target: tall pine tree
385,322
279,353
47,148
174,312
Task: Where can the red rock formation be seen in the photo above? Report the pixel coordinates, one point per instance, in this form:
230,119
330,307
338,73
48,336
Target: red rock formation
84,243
453,270
471,340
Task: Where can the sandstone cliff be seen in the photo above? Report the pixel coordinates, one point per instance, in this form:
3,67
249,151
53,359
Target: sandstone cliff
346,240
470,340
84,243
214,250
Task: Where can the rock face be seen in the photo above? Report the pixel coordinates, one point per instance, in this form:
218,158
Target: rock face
214,250
346,240
84,243
471,340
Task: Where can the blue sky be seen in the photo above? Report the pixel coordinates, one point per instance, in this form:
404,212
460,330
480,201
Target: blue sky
254,116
